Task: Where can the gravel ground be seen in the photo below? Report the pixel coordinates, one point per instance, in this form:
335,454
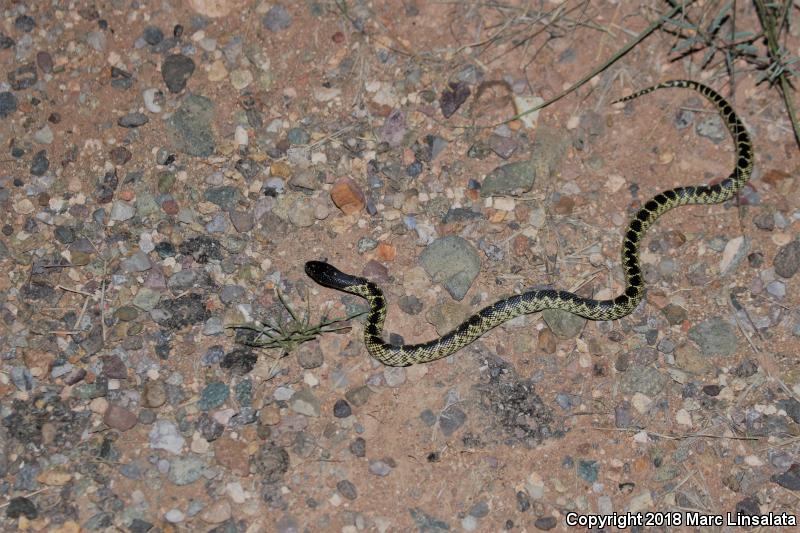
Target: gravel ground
169,168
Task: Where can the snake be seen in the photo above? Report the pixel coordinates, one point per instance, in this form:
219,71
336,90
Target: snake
541,299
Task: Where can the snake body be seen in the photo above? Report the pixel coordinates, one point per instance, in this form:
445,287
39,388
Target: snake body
538,300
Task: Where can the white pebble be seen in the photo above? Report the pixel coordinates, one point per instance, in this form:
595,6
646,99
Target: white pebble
241,137
150,96
174,516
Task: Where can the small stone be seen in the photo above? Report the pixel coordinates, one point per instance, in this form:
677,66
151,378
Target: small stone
453,262
347,489
787,260
563,324
358,447
511,179
165,436
545,523
122,211
214,395
153,35
394,376
358,396
8,104
547,341
40,163
715,337
310,356
21,506
348,196
379,468
451,419
277,18
119,418
305,403
480,509
132,120
789,479
174,516
176,71
217,512
674,314
341,409
154,394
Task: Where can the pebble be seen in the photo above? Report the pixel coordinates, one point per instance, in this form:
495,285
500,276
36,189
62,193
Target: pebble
545,523
305,403
452,262
8,104
21,506
358,447
165,436
715,336
176,71
190,127
712,128
379,468
787,260
43,135
302,213
735,251
174,516
348,196
277,19
358,396
122,211
394,376
510,179
217,512
40,163
341,409
153,100
789,479
133,120
451,419
214,395
644,379
347,489
562,323
777,289
119,418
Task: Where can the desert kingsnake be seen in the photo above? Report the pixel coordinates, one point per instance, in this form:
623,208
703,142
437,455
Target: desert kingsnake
538,300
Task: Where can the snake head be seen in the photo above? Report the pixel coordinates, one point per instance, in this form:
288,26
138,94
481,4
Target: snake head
330,276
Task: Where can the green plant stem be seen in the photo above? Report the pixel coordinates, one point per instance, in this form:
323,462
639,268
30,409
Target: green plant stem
768,24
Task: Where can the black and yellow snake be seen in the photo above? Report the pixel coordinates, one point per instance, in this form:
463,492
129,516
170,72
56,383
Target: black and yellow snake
538,300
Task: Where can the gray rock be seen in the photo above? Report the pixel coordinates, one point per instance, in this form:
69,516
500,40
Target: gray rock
277,18
394,375
777,289
165,436
305,403
121,211
214,395
40,163
176,71
138,262
712,128
564,324
379,468
185,469
190,127
132,120
346,488
787,260
714,337
358,396
642,378
8,104
512,179
309,355
452,262
451,419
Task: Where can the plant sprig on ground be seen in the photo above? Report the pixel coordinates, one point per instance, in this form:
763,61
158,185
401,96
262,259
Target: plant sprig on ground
287,333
